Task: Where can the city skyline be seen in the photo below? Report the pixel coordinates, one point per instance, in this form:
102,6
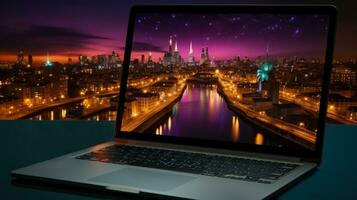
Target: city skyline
99,28
229,35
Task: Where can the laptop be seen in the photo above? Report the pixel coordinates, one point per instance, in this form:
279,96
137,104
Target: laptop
215,102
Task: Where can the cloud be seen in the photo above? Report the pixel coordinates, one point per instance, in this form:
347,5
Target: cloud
143,46
39,39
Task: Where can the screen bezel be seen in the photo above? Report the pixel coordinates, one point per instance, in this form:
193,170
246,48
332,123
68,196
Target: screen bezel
310,155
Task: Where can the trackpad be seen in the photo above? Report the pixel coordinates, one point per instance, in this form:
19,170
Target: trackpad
143,179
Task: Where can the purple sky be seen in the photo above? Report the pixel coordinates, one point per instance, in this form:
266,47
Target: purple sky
72,27
229,35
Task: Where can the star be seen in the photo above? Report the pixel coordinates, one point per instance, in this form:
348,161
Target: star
210,24
208,38
173,16
186,24
296,32
292,19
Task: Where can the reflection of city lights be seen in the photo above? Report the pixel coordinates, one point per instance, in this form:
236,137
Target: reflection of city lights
235,128
63,113
259,139
169,123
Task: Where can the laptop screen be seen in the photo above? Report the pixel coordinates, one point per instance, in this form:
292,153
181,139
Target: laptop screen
240,78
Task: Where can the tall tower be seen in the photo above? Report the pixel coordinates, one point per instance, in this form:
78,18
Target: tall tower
30,60
207,57
150,63
190,56
142,59
150,59
176,56
20,58
203,57
176,49
170,45
48,62
264,71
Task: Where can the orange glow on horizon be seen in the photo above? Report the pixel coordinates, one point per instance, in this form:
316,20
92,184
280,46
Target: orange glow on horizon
12,57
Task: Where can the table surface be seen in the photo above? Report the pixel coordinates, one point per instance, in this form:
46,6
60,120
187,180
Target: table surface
26,142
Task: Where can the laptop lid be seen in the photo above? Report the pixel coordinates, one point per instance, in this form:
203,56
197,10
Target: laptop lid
252,78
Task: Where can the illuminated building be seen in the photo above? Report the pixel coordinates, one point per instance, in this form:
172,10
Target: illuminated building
343,74
170,45
204,57
150,63
113,60
263,72
142,59
191,59
167,59
81,60
102,61
352,113
20,58
94,60
172,57
48,62
176,56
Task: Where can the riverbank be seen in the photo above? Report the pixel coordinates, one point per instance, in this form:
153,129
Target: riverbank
272,128
141,123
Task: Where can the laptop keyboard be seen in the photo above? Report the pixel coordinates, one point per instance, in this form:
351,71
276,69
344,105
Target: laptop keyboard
245,169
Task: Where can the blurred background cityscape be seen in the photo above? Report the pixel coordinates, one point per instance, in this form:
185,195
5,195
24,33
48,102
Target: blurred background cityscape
63,60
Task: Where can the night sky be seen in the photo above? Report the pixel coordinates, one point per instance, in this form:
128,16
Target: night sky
231,35
72,27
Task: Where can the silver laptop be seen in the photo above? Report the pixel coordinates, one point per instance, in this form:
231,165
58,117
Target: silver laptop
215,102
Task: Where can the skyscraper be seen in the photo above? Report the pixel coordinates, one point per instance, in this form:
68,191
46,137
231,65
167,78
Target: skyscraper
30,60
170,45
48,62
168,56
207,57
150,57
142,59
204,57
20,58
176,55
150,63
191,60
202,60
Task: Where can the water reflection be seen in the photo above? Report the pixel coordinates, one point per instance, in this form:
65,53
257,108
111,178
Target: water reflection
259,139
76,110
235,128
203,113
104,115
